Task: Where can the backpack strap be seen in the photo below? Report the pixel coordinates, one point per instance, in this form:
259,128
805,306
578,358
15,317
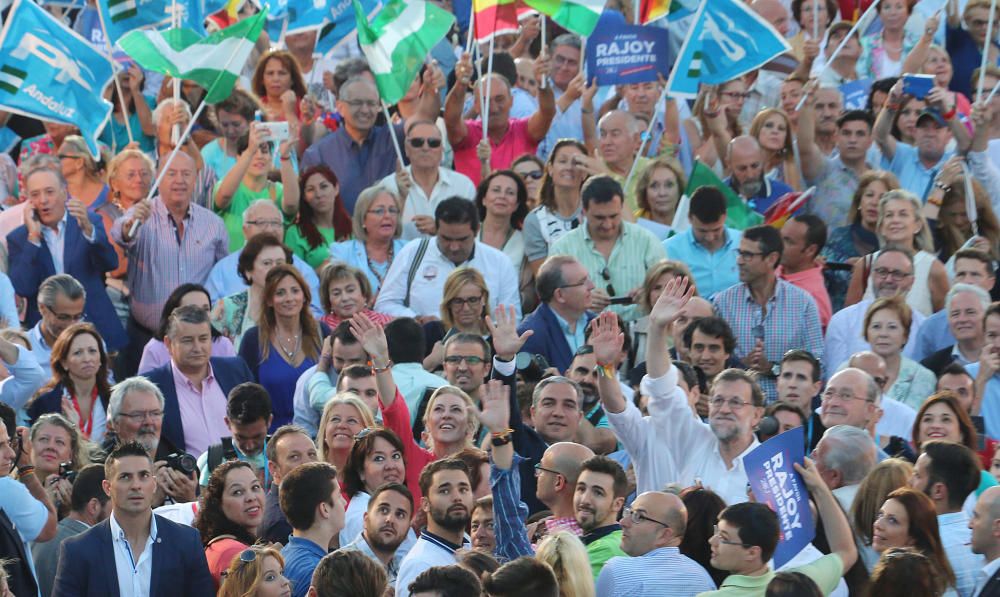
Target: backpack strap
412,274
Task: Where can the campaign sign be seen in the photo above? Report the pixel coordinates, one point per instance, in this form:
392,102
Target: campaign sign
621,54
775,483
856,94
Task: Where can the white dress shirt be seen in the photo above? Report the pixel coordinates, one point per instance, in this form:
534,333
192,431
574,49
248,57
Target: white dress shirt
417,203
134,576
433,270
956,539
897,419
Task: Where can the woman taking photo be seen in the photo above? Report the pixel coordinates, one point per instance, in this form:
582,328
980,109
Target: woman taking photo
322,220
657,193
248,180
560,208
137,110
258,571
887,328
377,227
954,228
901,223
229,513
155,353
286,341
464,305
502,200
57,448
239,312
234,115
908,519
79,388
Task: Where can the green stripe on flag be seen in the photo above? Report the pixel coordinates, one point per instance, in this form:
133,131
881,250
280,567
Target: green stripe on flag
122,9
11,78
579,16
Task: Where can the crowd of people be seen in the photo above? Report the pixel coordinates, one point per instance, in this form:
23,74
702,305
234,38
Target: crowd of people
526,357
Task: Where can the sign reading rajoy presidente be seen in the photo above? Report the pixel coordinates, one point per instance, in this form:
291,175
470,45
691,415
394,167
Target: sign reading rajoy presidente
621,54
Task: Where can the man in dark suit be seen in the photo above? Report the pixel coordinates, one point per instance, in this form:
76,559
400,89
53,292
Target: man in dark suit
563,286
195,384
59,236
965,306
985,525
133,552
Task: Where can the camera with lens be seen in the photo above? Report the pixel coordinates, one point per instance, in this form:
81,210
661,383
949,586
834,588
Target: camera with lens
66,471
182,462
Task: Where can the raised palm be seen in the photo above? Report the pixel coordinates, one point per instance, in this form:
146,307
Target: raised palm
605,337
495,412
503,329
370,335
675,296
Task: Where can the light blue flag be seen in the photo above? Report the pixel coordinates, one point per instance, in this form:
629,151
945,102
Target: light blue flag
50,73
8,139
726,41
122,16
342,25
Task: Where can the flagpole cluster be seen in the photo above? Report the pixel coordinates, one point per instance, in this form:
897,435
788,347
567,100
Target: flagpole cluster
118,84
986,51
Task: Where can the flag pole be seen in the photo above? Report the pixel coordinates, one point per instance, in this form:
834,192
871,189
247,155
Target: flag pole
646,136
175,131
992,93
816,21
472,27
392,133
544,50
971,211
118,84
986,51
489,87
840,47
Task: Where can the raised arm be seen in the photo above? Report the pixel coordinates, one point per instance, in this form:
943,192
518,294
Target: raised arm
944,101
607,342
539,122
455,101
289,179
809,153
914,62
371,335
883,124
838,529
675,296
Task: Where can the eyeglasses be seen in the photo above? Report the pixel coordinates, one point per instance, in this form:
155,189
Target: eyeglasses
735,95
606,276
842,395
539,469
472,301
894,274
381,211
734,404
455,359
67,317
141,415
747,255
715,533
266,223
637,517
355,104
418,142
534,174
580,283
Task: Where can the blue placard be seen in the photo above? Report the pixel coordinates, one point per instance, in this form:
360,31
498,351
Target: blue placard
856,94
620,54
775,483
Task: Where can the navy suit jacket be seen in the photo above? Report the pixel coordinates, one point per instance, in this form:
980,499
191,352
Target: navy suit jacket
85,261
229,372
548,339
87,563
992,586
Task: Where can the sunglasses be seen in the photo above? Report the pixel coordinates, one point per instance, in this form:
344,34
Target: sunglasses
418,142
533,175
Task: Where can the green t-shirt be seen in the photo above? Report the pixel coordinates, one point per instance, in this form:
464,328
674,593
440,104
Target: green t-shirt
314,256
601,550
825,572
232,216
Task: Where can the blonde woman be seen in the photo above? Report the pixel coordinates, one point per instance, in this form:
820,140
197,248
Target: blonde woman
344,416
84,176
567,556
656,280
464,306
657,194
258,571
129,176
773,131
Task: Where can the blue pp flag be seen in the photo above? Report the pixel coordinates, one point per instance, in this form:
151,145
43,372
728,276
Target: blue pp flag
8,139
727,40
49,72
342,24
122,16
776,483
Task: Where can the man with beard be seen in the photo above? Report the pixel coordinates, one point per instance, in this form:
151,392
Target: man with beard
600,494
447,502
386,524
312,503
746,161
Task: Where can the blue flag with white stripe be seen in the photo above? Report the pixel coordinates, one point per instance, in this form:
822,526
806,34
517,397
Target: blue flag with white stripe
343,24
726,41
49,72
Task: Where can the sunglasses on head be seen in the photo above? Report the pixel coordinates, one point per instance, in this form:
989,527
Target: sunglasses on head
418,142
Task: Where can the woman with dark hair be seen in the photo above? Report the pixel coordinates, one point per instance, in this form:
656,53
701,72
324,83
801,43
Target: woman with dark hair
285,342
155,354
234,115
792,584
904,125
560,206
136,108
813,19
531,169
887,476
323,219
703,508
954,228
376,458
502,200
237,313
942,417
279,84
230,512
79,387
908,519
904,572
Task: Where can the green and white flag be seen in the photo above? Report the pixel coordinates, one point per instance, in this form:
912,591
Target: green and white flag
213,62
579,16
398,41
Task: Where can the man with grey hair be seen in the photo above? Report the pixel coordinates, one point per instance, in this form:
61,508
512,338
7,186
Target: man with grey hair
965,305
135,413
61,302
559,323
195,384
852,397
844,456
746,161
60,236
260,217
619,134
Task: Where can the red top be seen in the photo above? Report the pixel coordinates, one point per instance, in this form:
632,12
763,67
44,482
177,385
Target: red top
397,418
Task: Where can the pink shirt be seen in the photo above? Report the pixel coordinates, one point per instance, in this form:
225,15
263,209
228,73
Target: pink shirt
811,280
515,143
203,414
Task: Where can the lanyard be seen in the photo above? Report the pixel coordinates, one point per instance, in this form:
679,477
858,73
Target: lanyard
86,426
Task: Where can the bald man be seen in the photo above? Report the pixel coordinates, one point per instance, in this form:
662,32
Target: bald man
619,134
985,525
652,530
896,418
746,161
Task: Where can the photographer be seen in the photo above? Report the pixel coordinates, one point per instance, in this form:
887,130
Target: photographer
58,451
248,416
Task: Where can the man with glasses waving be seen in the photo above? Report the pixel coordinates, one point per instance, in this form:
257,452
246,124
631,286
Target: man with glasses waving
425,183
652,530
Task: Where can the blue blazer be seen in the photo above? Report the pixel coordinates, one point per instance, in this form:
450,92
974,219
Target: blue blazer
87,563
548,339
229,372
85,261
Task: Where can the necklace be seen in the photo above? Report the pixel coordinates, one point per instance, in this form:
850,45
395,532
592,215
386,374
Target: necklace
371,264
296,346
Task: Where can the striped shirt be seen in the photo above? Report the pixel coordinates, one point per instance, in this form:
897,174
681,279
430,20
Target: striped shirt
791,321
159,260
635,251
658,572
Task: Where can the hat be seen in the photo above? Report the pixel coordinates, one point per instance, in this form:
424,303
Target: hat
931,113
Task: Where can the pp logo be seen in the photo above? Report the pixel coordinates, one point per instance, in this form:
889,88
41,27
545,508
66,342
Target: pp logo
54,57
